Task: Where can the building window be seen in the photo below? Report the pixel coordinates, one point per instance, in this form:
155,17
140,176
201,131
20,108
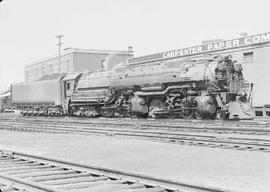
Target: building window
68,86
258,113
102,64
51,68
247,56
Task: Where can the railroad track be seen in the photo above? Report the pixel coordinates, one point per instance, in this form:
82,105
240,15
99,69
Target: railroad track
206,140
6,186
26,172
248,128
233,124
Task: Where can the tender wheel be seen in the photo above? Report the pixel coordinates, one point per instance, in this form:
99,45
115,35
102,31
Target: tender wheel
108,113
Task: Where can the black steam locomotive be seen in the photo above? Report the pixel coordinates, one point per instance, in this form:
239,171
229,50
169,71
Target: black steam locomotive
206,88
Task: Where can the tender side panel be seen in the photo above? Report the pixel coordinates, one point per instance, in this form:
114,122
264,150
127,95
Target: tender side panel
38,92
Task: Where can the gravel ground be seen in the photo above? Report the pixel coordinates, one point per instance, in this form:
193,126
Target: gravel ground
242,171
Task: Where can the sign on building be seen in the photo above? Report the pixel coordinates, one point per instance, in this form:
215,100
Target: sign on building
215,46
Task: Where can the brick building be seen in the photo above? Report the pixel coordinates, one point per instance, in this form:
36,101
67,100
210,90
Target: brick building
76,60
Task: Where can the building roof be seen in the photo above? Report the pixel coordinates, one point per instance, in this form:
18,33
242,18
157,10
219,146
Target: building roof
51,76
77,50
5,95
4,91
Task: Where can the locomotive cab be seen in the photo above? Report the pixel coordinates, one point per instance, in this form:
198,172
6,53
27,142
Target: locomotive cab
69,86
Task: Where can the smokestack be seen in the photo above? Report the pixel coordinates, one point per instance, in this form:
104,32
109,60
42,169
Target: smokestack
130,49
243,34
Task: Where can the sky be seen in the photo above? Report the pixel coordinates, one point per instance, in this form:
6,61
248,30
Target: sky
28,28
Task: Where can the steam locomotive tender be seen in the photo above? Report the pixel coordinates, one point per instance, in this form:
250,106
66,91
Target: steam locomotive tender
210,88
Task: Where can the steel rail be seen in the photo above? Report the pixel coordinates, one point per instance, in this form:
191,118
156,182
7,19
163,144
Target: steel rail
216,126
186,128
158,132
168,185
236,143
260,122
25,185
176,121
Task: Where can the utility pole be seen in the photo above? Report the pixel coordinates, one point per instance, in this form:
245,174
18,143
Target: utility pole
59,51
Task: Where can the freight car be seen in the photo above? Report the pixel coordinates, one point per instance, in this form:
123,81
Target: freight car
207,88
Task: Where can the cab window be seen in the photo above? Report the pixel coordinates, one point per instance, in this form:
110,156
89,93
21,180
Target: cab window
68,86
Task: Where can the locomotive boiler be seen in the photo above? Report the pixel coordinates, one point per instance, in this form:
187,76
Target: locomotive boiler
207,88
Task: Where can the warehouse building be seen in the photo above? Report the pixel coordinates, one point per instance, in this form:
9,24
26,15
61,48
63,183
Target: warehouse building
76,60
5,102
253,52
